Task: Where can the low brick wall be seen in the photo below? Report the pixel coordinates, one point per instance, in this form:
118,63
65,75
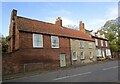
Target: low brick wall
13,63
38,66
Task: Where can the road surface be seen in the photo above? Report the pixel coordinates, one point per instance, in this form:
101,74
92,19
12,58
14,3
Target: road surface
102,72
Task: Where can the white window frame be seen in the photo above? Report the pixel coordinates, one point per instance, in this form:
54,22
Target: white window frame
90,44
101,42
82,44
40,36
98,34
91,56
99,53
96,42
103,35
83,57
73,55
57,45
106,43
108,52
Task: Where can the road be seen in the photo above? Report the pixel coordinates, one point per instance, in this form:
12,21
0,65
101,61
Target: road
102,72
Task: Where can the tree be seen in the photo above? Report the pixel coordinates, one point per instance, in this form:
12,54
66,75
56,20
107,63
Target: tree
5,43
112,33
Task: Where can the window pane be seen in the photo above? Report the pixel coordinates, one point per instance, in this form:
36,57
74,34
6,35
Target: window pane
81,45
81,55
74,56
37,40
90,45
96,41
55,41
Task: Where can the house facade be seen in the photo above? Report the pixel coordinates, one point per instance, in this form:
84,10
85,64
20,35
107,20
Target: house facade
39,42
82,51
34,44
101,43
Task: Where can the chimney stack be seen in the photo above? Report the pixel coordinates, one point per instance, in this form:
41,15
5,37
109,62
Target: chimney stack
81,26
58,21
13,14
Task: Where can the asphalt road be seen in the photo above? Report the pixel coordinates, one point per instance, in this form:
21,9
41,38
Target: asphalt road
102,72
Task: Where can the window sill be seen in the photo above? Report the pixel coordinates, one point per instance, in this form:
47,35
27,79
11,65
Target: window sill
37,47
55,47
74,59
82,59
90,48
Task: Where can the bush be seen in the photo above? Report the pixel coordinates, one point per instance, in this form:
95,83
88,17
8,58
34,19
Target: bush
101,59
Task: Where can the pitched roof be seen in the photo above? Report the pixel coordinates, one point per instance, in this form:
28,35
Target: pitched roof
30,25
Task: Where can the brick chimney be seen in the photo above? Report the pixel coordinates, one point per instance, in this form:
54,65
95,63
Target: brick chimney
13,14
58,21
12,29
81,26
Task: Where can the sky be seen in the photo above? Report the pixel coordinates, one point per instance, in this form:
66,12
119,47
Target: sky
92,14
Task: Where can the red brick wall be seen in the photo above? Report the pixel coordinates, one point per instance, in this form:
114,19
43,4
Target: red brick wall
33,57
45,54
16,39
12,63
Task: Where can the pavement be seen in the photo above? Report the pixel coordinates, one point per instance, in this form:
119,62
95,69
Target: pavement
102,72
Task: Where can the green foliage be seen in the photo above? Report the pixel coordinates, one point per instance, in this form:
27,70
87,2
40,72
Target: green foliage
5,43
112,33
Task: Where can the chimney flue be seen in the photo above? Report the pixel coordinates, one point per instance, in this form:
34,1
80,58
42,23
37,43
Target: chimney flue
13,14
58,21
81,27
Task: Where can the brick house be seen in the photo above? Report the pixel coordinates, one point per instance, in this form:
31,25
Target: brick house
102,46
36,44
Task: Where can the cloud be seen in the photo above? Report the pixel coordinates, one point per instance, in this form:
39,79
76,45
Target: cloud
112,13
62,12
66,22
95,24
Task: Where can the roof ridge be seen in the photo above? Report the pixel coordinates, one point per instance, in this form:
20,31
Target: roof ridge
33,25
35,20
46,22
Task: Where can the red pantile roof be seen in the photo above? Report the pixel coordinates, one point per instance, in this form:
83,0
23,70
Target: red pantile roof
30,25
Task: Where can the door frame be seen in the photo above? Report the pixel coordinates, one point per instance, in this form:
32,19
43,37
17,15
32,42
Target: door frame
64,60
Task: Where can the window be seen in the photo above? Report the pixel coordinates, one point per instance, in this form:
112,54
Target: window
90,44
96,42
103,36
37,40
91,56
74,55
108,52
82,55
98,34
98,52
55,41
93,34
101,42
81,44
106,43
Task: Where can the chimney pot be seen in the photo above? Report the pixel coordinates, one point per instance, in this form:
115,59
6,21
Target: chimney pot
58,21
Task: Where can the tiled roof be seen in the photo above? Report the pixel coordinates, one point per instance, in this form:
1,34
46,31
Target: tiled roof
30,25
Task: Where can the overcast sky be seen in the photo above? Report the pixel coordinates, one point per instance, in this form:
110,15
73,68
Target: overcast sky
93,14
